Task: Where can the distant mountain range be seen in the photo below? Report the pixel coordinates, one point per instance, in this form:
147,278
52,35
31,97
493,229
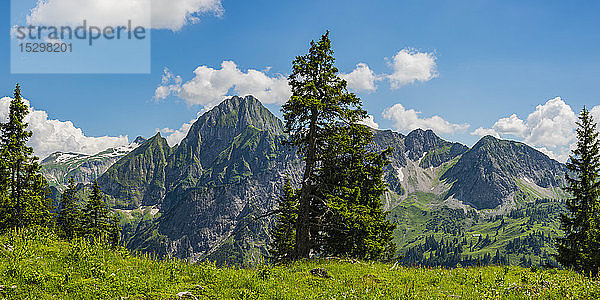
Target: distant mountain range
203,198
58,167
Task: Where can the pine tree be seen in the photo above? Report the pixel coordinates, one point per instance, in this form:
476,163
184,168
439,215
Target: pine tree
339,201
114,231
96,215
22,187
319,97
355,224
283,233
69,218
579,249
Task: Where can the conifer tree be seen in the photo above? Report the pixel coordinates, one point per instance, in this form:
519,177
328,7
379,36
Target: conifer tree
22,186
355,224
283,234
580,248
320,109
114,231
95,214
69,218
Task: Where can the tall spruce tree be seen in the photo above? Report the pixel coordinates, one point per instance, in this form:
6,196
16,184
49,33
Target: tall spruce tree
316,117
283,234
68,221
22,187
319,97
352,183
96,214
580,248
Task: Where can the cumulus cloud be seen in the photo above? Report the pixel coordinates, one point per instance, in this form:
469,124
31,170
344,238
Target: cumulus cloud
370,121
595,112
485,131
408,120
361,78
50,136
511,125
211,86
551,124
175,136
410,66
162,14
550,128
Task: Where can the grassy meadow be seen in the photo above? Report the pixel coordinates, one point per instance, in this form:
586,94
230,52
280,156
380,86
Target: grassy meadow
35,264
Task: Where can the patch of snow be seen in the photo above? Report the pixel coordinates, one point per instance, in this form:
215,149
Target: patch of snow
63,157
527,179
121,151
399,174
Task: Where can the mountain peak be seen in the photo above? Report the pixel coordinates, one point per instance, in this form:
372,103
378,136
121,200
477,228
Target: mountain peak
233,116
139,140
488,173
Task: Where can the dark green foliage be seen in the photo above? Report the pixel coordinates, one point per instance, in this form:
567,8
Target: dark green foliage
351,182
97,223
114,231
341,186
283,233
68,221
319,98
23,200
580,248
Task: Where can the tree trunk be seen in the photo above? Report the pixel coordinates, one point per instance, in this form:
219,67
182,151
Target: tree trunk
303,242
18,196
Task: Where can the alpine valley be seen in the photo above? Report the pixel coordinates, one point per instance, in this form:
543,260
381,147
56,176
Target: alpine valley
207,198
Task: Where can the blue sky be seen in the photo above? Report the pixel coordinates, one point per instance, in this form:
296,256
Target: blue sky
491,59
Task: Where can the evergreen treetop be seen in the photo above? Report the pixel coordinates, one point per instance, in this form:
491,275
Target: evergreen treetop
22,186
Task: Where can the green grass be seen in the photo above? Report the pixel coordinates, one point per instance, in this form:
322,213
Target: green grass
37,265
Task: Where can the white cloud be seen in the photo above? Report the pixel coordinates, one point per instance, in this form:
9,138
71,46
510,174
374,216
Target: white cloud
50,135
595,112
550,128
551,124
211,86
370,121
361,78
170,85
175,136
511,125
484,131
548,153
410,66
408,120
163,14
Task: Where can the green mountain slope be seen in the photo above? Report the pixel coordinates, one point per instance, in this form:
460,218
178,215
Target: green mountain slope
138,179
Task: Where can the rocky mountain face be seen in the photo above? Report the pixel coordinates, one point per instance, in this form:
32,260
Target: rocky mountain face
495,169
228,170
58,167
209,193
